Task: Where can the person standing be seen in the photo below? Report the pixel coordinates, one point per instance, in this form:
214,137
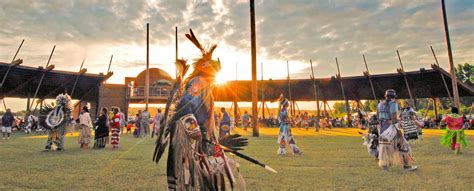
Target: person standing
454,136
101,130
123,122
144,123
8,121
392,145
136,132
285,137
115,140
156,123
224,126
85,124
246,120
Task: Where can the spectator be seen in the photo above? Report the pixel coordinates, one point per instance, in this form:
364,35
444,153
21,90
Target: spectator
144,123
8,120
156,123
85,124
136,132
246,120
123,121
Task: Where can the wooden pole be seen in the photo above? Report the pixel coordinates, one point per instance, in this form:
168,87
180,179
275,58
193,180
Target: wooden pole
254,70
314,89
348,109
442,76
77,77
263,94
367,73
450,57
147,82
176,49
435,109
402,71
13,60
236,71
236,117
289,88
42,77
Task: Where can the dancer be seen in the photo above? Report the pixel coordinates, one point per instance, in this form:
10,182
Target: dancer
197,159
285,137
55,120
115,140
224,126
393,148
101,137
371,139
454,136
246,120
409,123
85,124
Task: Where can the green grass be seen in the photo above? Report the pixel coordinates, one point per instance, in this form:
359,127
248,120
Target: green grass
328,163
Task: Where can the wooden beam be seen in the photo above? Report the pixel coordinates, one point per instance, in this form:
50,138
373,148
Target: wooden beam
348,109
442,76
13,64
77,77
402,72
314,89
42,77
367,73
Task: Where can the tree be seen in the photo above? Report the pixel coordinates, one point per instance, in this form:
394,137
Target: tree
464,72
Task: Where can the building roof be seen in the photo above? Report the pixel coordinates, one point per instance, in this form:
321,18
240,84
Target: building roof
22,82
425,83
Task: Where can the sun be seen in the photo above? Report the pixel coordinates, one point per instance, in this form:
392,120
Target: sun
221,78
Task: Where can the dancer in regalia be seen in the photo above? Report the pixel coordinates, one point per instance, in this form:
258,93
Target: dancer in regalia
371,139
285,137
115,139
55,120
196,158
454,137
393,148
409,123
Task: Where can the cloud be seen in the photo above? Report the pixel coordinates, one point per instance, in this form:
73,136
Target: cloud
286,30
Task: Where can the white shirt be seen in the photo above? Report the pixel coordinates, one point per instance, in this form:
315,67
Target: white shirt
85,119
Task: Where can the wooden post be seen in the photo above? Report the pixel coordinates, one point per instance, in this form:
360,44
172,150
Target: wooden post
367,73
435,109
442,76
147,72
176,49
348,109
314,89
263,94
254,70
325,111
450,57
77,77
236,117
289,89
402,71
13,60
42,77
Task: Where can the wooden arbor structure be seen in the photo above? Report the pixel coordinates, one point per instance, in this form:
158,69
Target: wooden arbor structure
46,83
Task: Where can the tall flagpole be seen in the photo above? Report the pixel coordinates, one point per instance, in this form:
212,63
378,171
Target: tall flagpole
450,57
254,70
147,82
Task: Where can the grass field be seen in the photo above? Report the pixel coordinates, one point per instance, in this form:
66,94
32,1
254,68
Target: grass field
332,159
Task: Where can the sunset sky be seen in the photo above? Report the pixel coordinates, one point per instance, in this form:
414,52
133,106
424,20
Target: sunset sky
293,30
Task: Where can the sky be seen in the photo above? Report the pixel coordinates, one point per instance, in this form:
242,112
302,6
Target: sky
296,31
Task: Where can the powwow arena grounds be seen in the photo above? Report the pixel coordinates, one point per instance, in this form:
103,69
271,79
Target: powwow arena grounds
332,159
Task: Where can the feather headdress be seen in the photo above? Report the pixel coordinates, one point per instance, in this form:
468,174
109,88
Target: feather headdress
205,63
